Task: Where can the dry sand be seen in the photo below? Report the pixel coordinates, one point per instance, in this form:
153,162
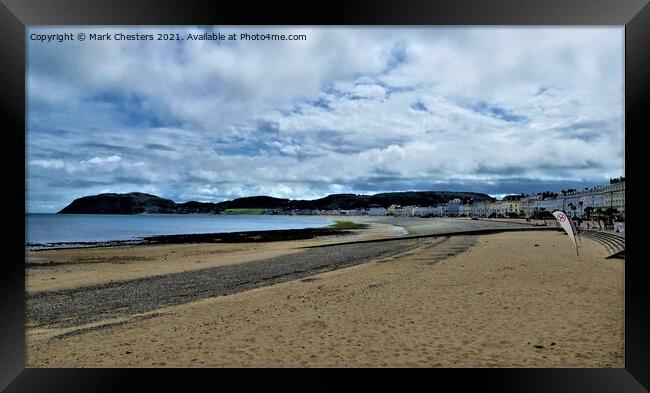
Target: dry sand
519,299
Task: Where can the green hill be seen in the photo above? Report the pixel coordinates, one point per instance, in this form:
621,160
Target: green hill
137,203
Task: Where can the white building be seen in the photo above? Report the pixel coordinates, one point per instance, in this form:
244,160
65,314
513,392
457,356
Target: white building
425,211
603,197
452,208
377,211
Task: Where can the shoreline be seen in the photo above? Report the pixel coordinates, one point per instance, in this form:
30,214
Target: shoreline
65,268
72,267
211,237
272,235
408,227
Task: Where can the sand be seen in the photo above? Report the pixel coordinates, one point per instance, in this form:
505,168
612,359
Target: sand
70,268
518,299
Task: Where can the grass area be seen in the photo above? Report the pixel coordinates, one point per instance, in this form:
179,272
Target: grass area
244,211
347,225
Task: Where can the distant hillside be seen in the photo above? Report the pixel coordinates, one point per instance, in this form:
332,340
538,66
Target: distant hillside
131,203
413,198
137,203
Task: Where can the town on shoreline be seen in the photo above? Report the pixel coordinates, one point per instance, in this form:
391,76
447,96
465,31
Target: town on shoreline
599,202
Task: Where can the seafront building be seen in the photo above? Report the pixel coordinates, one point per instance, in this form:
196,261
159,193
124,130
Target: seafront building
580,203
377,211
452,208
576,202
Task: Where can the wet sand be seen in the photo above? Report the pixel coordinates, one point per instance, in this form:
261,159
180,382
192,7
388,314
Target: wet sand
72,268
518,299
92,303
60,269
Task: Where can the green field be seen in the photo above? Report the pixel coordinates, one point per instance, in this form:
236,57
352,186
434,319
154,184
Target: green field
347,225
244,211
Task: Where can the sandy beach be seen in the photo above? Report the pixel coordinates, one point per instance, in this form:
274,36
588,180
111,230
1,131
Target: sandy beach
515,299
68,268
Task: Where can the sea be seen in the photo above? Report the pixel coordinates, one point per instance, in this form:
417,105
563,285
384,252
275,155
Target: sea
80,228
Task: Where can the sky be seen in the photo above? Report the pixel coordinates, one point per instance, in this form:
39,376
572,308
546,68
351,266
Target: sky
348,110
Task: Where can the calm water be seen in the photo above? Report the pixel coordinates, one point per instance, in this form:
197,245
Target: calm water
71,228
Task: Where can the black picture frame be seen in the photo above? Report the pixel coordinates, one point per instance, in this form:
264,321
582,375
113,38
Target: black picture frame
16,15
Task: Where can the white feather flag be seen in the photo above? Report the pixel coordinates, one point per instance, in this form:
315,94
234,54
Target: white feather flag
575,231
567,225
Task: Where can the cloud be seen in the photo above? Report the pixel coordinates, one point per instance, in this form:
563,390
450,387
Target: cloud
48,164
348,110
102,160
369,91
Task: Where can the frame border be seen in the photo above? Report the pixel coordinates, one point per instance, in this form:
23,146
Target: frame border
16,16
